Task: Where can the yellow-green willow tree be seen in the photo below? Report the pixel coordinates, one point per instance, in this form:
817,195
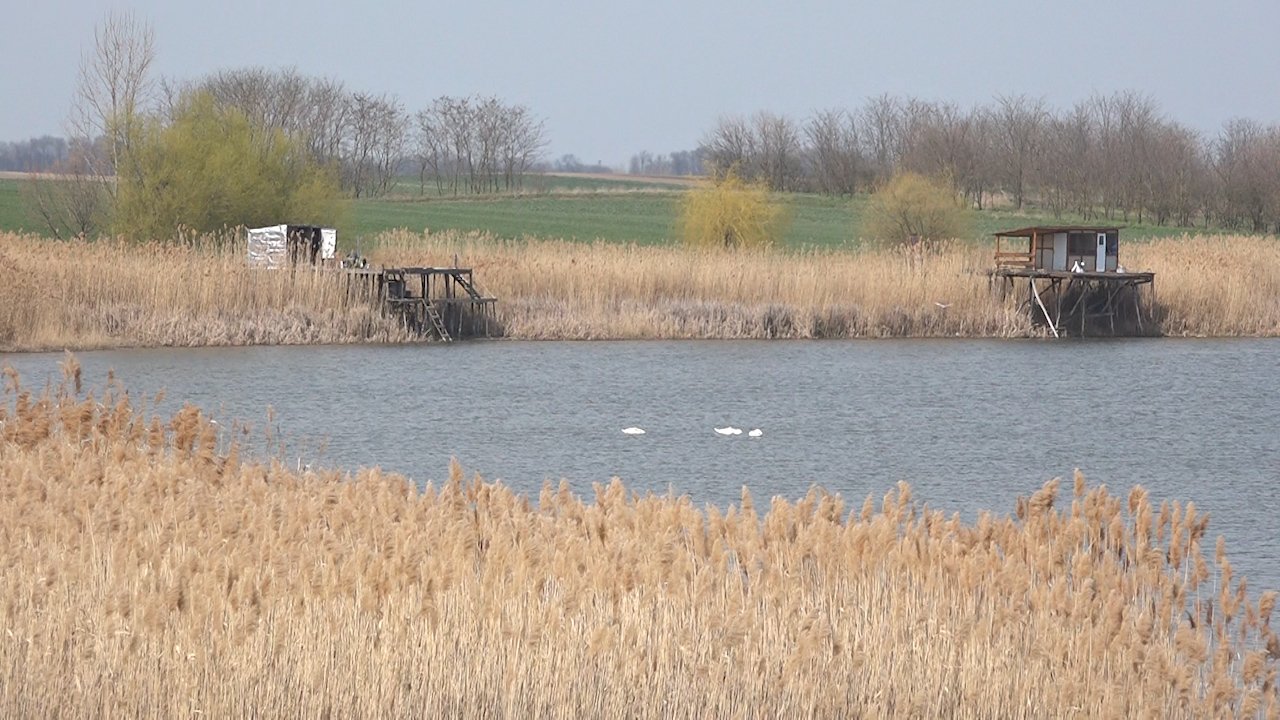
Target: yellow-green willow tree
210,168
731,213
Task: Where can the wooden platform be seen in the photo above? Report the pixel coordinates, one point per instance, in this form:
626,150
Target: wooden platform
1138,277
443,302
1083,303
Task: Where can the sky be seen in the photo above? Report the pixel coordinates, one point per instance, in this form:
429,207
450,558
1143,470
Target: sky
611,79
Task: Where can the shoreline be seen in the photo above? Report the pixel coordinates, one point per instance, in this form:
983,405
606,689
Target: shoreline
504,340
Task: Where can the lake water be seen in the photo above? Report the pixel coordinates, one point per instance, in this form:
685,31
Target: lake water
970,424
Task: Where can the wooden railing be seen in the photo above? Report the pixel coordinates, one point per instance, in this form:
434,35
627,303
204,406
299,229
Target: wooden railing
1014,259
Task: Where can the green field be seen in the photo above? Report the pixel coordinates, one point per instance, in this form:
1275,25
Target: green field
13,216
648,217
587,209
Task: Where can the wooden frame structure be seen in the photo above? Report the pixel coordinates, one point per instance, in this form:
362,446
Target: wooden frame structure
443,302
1073,280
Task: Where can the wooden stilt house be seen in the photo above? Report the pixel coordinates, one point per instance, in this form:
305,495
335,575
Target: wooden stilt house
1074,282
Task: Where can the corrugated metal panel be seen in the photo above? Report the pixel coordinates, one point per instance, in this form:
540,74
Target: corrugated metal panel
268,246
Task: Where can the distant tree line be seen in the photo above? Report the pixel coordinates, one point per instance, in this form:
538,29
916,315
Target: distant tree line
246,146
34,155
1115,156
461,145
476,144
569,163
683,162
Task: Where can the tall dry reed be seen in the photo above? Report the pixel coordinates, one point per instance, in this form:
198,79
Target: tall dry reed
567,290
146,570
1205,286
94,294
81,295
1215,285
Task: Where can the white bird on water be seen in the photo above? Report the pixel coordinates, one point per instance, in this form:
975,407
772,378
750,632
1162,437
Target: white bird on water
755,433
632,431
728,430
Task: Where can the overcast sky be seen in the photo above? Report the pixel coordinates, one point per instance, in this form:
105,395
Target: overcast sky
612,79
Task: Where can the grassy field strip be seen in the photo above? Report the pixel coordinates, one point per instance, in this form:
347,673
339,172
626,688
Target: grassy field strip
589,209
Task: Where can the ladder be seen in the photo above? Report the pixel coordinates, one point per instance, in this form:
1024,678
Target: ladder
437,322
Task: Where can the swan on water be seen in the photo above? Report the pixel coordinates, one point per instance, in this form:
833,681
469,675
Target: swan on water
756,433
729,430
632,431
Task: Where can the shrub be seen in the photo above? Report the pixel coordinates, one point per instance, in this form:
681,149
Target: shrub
914,207
211,168
730,213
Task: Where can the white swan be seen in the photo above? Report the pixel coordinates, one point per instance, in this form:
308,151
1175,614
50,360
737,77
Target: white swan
632,431
728,430
755,433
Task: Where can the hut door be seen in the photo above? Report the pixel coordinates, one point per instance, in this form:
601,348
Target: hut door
1100,263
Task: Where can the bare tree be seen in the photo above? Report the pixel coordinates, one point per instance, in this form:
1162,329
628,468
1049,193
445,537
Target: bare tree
834,152
1246,161
778,142
1174,175
525,140
374,143
730,147
326,116
477,144
982,175
943,143
1069,152
881,123
69,200
1019,124
112,91
430,148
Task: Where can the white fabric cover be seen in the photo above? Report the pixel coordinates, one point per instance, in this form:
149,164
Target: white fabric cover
268,247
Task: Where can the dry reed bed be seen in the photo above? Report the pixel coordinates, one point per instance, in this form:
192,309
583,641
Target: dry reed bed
1213,285
567,290
148,572
1206,286
81,295
109,293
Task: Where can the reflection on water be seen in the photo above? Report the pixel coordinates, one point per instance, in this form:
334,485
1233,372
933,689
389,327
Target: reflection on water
970,424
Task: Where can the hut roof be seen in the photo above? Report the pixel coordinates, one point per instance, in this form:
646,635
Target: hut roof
1050,229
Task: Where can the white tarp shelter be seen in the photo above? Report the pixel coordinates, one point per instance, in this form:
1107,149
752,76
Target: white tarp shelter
277,245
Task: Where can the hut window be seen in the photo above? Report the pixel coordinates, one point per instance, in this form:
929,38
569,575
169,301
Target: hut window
1081,243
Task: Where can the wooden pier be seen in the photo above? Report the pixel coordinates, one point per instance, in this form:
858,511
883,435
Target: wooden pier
440,302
